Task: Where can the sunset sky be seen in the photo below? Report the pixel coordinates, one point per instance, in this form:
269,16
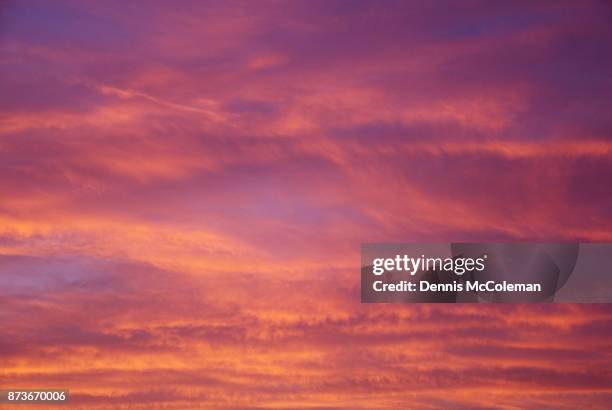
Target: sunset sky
185,186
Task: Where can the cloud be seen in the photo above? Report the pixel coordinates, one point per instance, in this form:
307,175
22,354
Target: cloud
183,193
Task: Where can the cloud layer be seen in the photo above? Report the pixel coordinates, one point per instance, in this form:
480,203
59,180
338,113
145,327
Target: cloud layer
183,193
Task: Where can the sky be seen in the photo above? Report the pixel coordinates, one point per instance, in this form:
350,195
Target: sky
185,186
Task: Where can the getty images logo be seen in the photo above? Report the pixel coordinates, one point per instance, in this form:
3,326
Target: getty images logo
405,263
466,272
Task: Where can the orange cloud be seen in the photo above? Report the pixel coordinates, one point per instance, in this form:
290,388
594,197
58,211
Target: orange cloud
183,193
